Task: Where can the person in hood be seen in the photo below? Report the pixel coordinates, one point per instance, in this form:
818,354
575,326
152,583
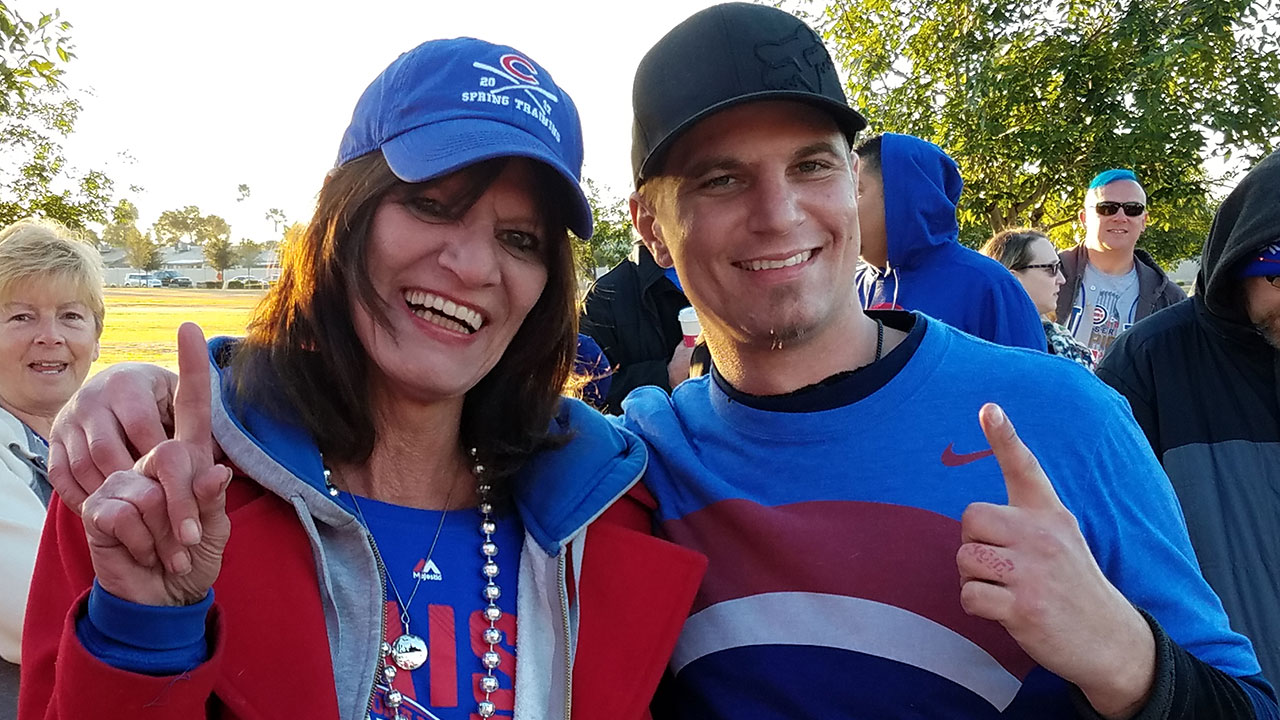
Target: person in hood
1203,378
403,484
1111,284
907,194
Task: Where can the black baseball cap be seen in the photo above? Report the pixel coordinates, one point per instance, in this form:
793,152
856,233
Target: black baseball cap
724,56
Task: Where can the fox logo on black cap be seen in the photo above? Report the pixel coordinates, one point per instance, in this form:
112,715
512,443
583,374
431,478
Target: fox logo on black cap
796,63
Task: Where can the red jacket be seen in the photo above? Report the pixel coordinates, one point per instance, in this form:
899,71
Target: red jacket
271,659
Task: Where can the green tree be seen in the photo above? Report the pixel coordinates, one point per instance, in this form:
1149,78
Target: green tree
180,227
212,227
1033,97
277,218
611,241
35,175
141,250
31,54
35,114
242,192
219,254
247,252
123,218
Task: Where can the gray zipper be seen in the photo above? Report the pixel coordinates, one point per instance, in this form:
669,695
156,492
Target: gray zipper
382,614
561,564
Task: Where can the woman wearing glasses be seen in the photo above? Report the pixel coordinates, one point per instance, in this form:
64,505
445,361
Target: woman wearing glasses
1032,258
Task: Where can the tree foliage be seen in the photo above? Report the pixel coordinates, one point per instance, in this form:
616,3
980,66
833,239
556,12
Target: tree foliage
611,241
247,252
179,227
188,226
124,218
277,217
1033,97
215,241
35,113
31,54
141,250
219,253
35,176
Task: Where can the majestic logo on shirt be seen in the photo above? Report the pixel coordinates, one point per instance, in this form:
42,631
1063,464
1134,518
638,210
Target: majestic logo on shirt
426,570
951,458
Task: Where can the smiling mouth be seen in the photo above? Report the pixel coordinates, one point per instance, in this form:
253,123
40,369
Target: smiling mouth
757,265
445,313
48,368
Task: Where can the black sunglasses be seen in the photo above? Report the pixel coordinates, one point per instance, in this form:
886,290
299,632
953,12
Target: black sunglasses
1107,208
1052,267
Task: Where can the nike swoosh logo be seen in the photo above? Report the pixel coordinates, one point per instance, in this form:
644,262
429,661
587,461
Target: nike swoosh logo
951,458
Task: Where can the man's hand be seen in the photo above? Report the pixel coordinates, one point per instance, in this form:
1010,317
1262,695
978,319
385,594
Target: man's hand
120,414
1027,566
678,368
157,532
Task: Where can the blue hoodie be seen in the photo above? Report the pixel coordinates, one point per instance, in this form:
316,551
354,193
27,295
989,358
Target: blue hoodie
928,269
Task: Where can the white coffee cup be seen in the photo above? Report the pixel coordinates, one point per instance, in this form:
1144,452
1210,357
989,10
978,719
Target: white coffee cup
690,326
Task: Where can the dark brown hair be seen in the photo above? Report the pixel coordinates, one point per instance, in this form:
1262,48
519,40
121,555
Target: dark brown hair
868,151
1012,247
303,360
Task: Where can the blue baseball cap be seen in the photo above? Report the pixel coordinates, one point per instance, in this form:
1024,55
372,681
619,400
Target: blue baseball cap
447,104
1266,262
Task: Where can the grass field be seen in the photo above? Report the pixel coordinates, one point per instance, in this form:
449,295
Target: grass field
142,324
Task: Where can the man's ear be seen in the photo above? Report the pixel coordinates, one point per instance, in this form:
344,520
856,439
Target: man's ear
645,221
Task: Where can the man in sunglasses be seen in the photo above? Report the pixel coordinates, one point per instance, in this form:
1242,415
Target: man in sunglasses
1110,283
1202,379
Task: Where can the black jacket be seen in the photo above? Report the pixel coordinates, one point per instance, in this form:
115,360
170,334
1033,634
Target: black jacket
1203,385
631,312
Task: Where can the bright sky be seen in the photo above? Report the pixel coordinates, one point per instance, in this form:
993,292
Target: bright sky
189,100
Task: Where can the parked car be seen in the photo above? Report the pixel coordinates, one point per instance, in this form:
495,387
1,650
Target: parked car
142,280
245,282
181,281
166,276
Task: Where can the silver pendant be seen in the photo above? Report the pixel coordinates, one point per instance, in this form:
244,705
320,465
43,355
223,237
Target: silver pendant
409,652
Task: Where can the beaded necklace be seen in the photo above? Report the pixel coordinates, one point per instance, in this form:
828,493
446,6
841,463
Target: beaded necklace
408,652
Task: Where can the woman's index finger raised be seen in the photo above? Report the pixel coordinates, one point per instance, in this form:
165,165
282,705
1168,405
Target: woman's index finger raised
192,421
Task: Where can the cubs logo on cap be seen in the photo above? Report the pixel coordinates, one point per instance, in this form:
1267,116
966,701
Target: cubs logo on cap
448,104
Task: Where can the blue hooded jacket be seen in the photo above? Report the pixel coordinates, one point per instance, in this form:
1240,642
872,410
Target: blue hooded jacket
928,269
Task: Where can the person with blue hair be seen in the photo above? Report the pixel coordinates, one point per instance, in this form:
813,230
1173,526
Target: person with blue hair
1111,284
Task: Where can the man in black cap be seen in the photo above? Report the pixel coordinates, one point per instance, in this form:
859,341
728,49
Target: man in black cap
868,556
1203,382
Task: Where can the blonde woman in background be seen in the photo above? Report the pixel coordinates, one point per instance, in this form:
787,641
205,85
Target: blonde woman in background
51,311
1033,260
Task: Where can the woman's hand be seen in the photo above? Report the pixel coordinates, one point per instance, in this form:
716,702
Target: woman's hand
120,414
157,532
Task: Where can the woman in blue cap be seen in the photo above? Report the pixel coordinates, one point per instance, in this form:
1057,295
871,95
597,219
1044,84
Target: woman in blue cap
397,522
